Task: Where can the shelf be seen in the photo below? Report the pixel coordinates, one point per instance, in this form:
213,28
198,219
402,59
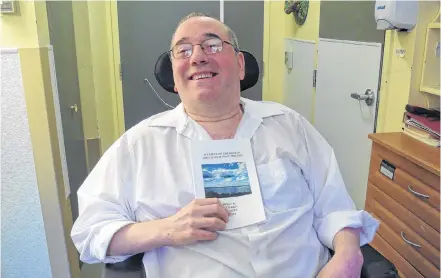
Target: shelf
431,90
434,25
430,75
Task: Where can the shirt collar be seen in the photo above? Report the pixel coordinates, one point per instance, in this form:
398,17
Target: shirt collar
261,109
178,118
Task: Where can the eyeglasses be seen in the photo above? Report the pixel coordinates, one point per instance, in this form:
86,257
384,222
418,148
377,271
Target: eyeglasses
209,46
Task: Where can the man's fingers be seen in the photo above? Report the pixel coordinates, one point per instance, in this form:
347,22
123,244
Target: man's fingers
201,235
215,209
209,223
206,201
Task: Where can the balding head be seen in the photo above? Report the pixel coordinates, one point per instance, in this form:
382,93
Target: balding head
231,35
207,66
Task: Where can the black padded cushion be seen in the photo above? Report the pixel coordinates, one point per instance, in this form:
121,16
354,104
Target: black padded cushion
133,263
164,72
374,265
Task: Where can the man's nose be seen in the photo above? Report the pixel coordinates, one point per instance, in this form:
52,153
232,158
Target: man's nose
198,56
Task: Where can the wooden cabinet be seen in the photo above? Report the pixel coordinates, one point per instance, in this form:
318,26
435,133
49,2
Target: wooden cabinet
404,195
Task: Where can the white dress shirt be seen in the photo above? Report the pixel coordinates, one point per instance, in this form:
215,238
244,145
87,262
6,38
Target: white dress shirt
146,174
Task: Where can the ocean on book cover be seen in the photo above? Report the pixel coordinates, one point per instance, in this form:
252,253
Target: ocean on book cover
225,169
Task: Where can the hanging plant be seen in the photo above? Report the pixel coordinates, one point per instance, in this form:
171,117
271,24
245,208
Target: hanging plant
299,9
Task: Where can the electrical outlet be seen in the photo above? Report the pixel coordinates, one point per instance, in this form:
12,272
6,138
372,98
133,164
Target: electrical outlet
400,52
8,7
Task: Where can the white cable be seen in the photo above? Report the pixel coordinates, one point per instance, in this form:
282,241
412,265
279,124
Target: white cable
158,94
221,13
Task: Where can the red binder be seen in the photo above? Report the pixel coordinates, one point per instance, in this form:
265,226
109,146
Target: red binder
430,125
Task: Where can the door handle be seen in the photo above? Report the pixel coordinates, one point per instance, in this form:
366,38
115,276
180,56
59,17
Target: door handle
420,195
73,108
368,97
408,241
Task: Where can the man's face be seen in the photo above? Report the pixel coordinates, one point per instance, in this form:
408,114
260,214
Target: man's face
206,77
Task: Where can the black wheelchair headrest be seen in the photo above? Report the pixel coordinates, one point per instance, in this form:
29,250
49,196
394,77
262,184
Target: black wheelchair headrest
164,72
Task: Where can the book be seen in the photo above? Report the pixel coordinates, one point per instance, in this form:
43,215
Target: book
417,131
430,125
429,141
225,169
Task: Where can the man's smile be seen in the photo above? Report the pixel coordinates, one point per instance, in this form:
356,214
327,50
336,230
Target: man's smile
203,75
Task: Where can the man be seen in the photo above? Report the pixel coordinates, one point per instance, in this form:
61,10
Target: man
140,196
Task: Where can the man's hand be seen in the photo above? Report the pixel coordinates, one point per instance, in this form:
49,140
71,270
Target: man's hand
197,221
348,259
344,265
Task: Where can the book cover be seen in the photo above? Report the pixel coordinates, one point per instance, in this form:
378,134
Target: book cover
427,124
225,169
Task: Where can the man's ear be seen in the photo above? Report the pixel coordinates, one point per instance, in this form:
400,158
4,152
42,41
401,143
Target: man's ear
175,89
241,63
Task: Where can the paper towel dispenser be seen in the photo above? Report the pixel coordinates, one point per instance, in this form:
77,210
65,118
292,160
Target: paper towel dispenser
401,15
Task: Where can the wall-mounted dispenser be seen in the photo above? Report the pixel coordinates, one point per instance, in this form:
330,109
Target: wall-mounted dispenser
400,15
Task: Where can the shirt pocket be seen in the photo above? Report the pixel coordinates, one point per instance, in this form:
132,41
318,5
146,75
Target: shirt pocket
282,184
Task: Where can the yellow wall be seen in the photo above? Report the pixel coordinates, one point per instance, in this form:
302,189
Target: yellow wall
274,33
20,30
85,68
401,76
56,209
97,73
278,26
400,79
101,43
310,29
117,85
28,32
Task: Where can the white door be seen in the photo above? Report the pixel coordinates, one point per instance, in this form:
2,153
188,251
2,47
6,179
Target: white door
346,70
299,76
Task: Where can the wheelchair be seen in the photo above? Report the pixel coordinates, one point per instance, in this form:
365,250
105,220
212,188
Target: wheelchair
375,265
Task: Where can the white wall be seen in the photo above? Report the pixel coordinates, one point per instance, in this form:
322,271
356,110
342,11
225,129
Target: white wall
24,251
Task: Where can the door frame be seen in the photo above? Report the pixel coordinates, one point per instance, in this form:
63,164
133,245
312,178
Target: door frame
116,61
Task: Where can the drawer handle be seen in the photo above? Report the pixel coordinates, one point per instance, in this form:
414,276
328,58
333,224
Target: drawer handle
408,241
417,193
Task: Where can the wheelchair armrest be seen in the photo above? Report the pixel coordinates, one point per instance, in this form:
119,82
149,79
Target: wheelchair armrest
375,265
129,268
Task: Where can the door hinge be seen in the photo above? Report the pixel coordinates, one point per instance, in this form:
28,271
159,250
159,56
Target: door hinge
120,72
314,78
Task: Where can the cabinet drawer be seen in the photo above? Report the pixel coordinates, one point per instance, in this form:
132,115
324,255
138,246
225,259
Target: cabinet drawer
394,233
408,200
379,153
422,191
404,221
